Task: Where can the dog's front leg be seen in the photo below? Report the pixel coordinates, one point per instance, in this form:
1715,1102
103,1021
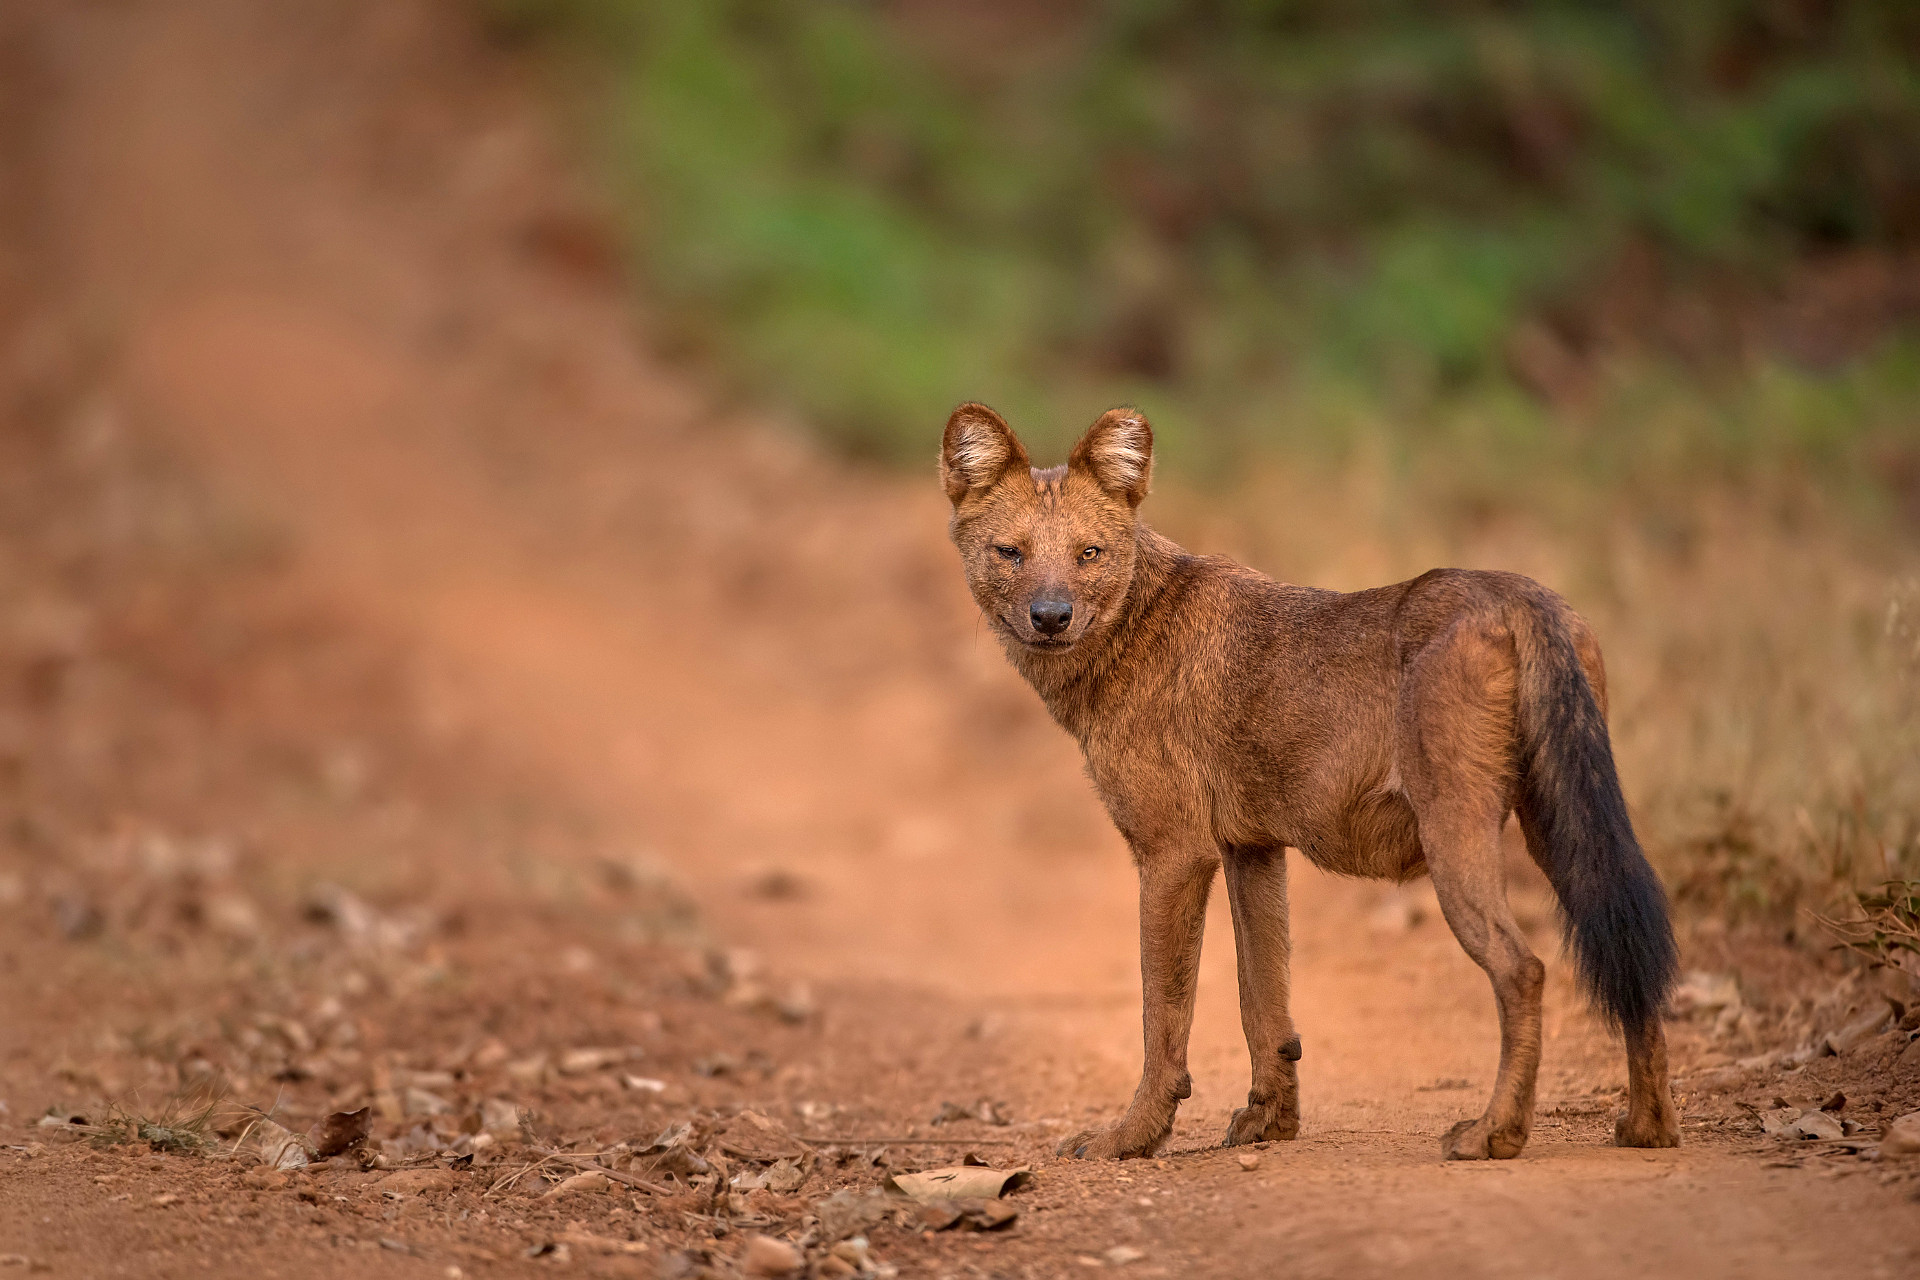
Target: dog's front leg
1173,916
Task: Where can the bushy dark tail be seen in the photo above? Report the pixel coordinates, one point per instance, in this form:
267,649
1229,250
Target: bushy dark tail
1575,819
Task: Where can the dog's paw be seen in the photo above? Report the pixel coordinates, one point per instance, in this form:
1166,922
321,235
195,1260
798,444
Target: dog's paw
1261,1122
1478,1140
1113,1142
1643,1130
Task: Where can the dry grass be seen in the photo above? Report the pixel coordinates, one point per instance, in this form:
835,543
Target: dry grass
1886,929
183,1125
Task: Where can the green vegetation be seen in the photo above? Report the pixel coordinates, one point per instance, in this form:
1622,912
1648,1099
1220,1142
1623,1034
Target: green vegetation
1279,223
1620,293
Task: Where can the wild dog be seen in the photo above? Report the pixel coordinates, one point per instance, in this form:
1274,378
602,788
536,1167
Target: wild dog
1226,718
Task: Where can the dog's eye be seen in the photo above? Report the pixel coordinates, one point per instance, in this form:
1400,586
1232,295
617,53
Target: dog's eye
1089,555
1009,553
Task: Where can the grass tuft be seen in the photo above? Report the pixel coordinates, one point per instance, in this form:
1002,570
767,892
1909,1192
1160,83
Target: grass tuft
182,1126
1886,928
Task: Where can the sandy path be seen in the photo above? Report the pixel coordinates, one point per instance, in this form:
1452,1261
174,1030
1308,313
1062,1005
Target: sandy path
306,237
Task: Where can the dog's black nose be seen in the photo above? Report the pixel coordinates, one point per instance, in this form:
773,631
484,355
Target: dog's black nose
1050,617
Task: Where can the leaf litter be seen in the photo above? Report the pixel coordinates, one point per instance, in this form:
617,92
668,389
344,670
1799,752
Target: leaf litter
967,1196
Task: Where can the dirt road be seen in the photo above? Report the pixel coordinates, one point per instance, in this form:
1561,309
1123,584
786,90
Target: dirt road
336,261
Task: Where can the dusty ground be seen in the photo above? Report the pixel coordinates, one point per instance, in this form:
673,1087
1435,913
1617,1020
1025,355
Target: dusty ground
408,682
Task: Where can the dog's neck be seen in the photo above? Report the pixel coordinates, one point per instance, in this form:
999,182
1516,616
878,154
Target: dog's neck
1070,683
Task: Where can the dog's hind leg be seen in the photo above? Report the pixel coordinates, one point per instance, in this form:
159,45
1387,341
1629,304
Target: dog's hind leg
1257,892
1467,877
1456,730
1649,1120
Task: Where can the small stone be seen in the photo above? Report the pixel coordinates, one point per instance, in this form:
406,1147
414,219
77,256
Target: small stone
766,1256
579,1182
1121,1254
416,1181
580,1062
500,1118
1396,914
264,1179
1249,1160
1902,1137
1858,1032
854,1253
529,1070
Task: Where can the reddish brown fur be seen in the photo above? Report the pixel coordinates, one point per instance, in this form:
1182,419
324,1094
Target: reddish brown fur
1226,717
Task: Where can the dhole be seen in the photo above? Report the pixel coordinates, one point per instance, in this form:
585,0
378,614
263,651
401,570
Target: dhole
1226,717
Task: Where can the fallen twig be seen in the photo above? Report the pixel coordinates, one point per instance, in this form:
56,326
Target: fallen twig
594,1166
508,1180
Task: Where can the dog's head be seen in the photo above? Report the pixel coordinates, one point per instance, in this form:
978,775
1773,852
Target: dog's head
1049,554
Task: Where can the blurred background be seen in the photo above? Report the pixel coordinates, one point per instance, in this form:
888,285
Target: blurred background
1623,294
478,639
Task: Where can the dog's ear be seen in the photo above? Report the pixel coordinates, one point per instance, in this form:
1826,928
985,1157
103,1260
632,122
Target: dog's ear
1117,453
978,448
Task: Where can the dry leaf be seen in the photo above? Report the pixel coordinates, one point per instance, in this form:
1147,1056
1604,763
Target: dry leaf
851,1213
971,1214
1818,1124
341,1131
785,1177
937,1215
1793,1124
278,1148
959,1182
675,1150
986,1111
752,1136
782,1178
